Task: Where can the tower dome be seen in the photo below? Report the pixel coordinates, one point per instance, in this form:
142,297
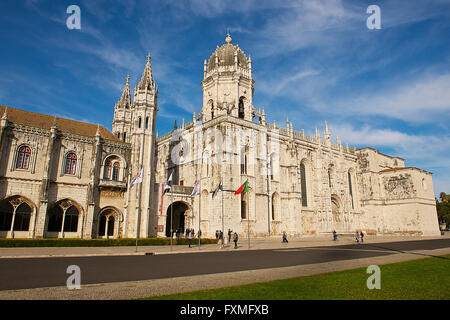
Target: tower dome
226,56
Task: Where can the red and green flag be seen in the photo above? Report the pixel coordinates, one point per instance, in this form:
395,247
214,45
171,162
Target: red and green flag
242,188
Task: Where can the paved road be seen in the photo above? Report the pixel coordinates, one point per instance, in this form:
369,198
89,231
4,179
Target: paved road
23,273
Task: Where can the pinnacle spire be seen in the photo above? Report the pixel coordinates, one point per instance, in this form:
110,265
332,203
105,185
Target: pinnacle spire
125,99
5,114
147,76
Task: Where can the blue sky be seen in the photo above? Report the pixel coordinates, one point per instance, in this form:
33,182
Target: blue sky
312,61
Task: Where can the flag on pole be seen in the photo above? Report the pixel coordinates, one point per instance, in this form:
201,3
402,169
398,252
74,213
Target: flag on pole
138,179
219,187
196,188
242,188
168,184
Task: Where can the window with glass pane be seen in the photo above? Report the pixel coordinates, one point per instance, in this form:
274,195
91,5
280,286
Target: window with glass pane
71,163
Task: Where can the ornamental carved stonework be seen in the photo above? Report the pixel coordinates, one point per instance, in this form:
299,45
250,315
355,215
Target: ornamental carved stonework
111,194
399,187
362,161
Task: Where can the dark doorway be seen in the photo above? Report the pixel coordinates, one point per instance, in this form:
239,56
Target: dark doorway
179,209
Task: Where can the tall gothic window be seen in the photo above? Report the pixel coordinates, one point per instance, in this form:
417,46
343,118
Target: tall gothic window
115,172
71,163
124,136
244,163
139,122
329,177
241,108
303,183
146,123
107,171
23,157
350,188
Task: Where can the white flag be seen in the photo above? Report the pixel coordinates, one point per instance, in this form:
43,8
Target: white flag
196,188
168,184
138,179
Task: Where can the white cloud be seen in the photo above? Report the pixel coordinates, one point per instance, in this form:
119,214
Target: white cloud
423,100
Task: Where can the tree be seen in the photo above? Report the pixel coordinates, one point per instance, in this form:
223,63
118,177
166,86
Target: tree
443,196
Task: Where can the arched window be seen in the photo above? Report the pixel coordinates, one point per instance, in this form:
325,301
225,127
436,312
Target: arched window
329,177
139,122
115,173
23,157
71,163
22,217
71,220
124,136
110,226
146,123
303,183
350,188
107,170
241,108
244,162
63,211
102,226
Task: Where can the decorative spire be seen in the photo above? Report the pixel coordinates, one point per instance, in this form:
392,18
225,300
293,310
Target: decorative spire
147,76
326,127
5,114
97,134
228,39
125,99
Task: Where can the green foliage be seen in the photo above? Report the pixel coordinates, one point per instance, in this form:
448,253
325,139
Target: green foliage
97,242
412,280
443,211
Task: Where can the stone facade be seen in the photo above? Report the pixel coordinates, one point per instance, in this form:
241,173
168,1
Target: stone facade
60,178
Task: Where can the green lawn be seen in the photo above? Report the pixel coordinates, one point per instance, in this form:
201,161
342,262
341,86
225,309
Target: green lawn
427,278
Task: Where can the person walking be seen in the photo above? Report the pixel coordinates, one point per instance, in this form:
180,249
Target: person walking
357,236
229,235
362,237
189,236
235,239
334,235
220,242
285,237
217,234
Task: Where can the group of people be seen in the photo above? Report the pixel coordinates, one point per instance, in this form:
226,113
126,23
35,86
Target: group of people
358,235
219,237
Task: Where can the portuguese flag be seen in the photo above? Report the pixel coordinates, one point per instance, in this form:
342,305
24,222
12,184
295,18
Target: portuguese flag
242,188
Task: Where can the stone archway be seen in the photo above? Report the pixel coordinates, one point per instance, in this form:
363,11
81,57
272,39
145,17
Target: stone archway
178,215
336,210
108,223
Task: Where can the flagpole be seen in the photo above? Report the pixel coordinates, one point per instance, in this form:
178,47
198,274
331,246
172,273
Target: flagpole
171,218
248,216
223,229
199,211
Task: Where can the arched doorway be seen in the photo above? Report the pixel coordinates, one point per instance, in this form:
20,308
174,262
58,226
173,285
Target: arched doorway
15,215
178,215
63,218
337,215
108,223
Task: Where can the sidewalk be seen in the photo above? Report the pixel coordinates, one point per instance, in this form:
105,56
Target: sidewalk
255,244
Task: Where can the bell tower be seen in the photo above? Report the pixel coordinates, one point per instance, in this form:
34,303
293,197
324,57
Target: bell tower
227,83
143,119
121,125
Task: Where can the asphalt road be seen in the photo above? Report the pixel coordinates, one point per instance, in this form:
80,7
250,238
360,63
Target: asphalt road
23,273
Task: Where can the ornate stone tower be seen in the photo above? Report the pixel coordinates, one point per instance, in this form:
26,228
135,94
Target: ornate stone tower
227,83
121,125
143,118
